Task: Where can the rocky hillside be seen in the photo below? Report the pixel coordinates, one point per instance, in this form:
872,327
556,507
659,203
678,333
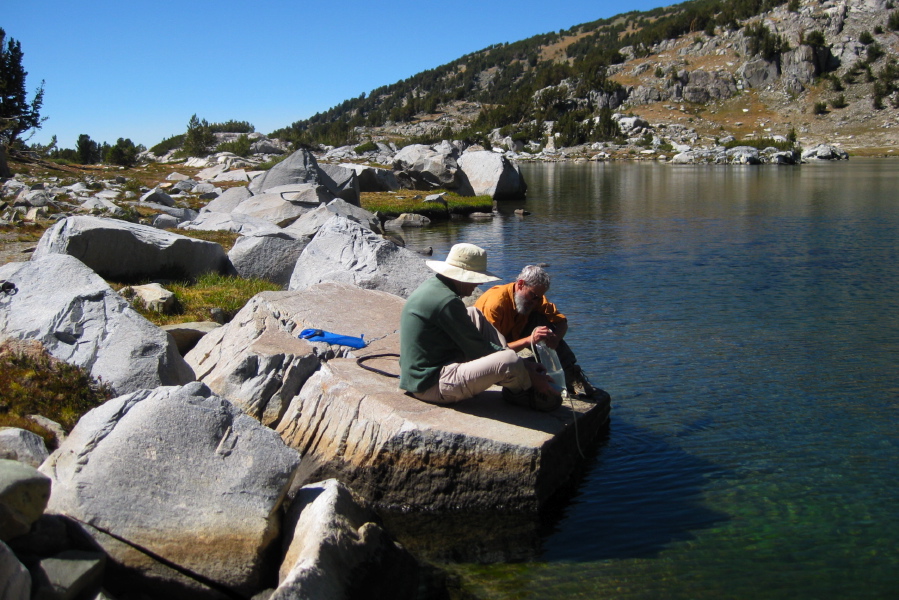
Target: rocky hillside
824,70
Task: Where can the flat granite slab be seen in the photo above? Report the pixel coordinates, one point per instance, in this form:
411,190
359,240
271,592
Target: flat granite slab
359,427
402,453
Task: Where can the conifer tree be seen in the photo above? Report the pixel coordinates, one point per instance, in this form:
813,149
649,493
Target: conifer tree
17,114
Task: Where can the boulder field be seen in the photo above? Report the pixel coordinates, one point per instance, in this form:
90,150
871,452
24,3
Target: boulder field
240,460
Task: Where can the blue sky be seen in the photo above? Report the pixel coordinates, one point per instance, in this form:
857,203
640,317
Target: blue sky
139,69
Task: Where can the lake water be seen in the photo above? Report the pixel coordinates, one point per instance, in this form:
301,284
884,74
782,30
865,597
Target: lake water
745,321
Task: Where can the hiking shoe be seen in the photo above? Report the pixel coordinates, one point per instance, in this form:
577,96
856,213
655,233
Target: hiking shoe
529,398
578,384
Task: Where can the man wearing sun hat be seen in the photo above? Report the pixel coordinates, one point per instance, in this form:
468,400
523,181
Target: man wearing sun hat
449,353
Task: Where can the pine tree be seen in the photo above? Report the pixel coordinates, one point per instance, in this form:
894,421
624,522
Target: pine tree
17,115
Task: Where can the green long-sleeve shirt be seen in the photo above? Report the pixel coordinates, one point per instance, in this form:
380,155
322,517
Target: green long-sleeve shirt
435,330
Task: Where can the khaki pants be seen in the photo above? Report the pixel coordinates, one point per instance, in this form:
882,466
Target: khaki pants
460,381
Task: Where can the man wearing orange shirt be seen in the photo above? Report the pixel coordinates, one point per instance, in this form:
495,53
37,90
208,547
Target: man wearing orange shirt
521,312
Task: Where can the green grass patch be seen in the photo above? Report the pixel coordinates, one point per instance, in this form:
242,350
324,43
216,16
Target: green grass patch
197,298
225,239
33,382
412,201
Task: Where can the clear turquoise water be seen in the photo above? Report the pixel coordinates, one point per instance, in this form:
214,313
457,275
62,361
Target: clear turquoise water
746,322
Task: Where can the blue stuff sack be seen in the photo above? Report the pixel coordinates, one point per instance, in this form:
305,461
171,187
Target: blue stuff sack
317,335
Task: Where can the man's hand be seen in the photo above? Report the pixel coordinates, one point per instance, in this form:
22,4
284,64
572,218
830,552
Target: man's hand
540,381
546,335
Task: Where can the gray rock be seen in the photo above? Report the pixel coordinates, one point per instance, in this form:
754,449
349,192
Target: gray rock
181,473
269,256
284,208
491,174
337,547
126,251
23,497
343,251
354,213
23,446
165,221
374,179
67,575
175,176
299,167
101,205
308,225
824,152
341,182
257,361
236,222
408,220
15,580
153,297
157,196
758,73
235,175
399,452
186,335
81,320
206,188
426,168
228,200
743,155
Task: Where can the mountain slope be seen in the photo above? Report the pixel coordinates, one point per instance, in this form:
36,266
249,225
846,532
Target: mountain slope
824,70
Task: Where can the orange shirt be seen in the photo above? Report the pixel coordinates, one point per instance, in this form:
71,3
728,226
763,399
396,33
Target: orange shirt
498,305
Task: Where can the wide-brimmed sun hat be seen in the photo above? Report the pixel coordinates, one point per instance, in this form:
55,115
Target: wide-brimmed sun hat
466,263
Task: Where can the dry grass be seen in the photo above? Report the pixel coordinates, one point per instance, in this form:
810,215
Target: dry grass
33,382
410,201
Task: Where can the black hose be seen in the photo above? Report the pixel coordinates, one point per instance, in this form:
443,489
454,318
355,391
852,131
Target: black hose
361,359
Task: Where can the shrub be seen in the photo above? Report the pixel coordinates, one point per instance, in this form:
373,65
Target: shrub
366,147
839,102
240,146
33,382
232,126
893,21
198,139
873,52
819,108
815,38
793,6
866,38
835,83
170,143
124,153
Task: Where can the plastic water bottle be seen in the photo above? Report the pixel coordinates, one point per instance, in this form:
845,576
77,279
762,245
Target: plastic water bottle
549,359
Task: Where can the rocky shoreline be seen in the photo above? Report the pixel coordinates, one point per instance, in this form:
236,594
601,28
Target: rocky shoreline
247,462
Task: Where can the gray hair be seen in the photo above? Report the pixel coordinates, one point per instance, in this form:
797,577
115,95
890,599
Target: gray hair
534,276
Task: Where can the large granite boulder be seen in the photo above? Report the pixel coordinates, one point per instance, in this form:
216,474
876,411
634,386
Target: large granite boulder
338,549
283,209
346,252
426,168
257,361
267,255
127,251
228,201
374,179
79,319
23,497
356,425
342,182
299,167
180,488
824,152
491,174
235,222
